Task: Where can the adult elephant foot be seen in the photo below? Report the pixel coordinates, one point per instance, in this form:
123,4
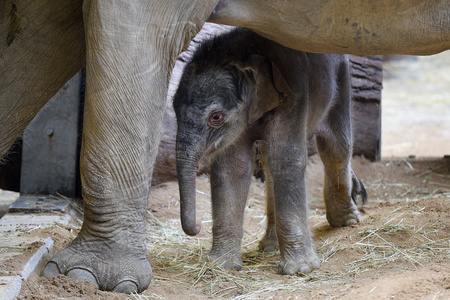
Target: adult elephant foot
303,262
112,267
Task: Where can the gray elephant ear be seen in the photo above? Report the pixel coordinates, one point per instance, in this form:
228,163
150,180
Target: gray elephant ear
269,87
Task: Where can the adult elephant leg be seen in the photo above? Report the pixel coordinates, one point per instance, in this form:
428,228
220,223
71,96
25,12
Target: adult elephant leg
130,50
230,180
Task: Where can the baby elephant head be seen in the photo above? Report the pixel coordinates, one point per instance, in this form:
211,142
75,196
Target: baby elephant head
214,105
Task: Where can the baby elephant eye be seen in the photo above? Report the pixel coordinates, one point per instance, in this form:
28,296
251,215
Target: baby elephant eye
216,119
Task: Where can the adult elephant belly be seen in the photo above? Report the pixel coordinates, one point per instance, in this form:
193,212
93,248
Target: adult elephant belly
415,27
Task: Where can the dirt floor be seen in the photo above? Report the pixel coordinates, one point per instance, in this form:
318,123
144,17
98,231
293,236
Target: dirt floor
401,250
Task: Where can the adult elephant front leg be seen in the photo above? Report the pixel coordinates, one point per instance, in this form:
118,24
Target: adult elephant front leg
130,49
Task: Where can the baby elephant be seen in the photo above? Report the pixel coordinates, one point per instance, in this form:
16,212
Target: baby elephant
240,88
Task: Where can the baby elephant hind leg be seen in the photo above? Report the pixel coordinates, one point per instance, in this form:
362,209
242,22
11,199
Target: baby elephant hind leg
339,194
269,242
341,186
335,142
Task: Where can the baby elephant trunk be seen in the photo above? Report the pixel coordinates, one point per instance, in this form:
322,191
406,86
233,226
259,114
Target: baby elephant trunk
187,174
187,161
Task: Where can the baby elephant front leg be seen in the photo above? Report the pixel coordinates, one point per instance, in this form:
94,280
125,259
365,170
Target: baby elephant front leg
230,181
292,223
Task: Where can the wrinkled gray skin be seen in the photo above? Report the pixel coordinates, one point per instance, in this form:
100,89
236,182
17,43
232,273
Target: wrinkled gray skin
240,88
129,49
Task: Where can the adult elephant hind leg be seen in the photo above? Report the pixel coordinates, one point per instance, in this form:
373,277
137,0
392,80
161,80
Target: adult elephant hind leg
231,172
130,48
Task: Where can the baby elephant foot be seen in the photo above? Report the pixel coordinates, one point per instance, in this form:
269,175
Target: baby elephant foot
226,259
269,242
341,206
112,270
300,264
344,215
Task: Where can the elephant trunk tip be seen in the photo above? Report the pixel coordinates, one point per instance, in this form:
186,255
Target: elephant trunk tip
191,230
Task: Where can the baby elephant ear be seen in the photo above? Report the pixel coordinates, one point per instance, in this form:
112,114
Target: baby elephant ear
269,88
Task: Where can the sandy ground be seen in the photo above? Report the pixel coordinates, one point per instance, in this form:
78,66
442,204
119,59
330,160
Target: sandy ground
401,250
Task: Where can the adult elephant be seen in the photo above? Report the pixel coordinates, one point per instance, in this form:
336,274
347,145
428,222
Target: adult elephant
129,48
